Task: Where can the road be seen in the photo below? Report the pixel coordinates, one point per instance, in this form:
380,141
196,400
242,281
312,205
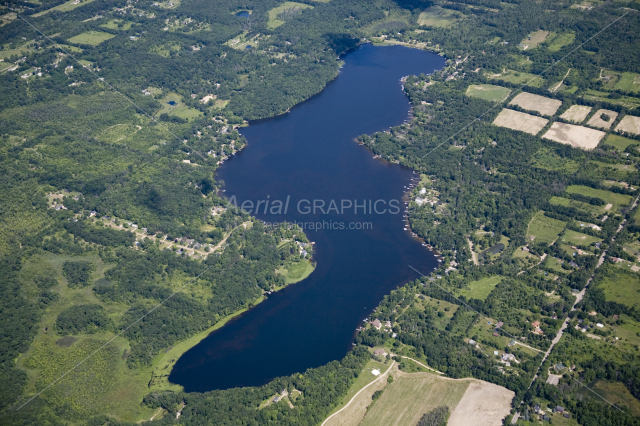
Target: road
419,363
580,295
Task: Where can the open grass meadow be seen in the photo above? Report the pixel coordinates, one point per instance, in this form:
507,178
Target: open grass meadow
436,16
559,41
621,287
298,271
404,401
534,39
92,38
618,394
628,82
585,207
278,15
620,143
172,105
578,238
546,159
488,92
520,77
482,288
544,229
618,200
65,7
117,24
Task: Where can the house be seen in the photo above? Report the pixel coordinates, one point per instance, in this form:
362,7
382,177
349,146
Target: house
559,409
512,342
559,366
593,313
472,342
375,372
536,408
599,325
495,334
567,415
499,324
535,324
508,357
377,324
380,352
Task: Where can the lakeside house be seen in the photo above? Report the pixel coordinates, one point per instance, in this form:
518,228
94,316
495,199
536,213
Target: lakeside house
376,323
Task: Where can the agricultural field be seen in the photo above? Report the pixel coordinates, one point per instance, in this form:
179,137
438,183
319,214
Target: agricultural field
488,92
578,238
544,229
516,120
559,41
603,118
534,39
278,15
436,16
576,136
620,143
617,200
172,104
482,400
541,104
576,113
621,287
92,38
520,77
65,7
482,288
629,124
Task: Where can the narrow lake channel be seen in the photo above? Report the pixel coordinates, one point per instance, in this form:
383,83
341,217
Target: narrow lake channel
310,154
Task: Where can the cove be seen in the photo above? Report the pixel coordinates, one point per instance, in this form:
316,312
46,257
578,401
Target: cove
311,154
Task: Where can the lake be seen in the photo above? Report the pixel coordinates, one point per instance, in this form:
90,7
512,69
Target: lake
308,156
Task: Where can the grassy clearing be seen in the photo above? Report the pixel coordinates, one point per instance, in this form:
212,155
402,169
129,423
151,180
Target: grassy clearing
519,77
404,401
65,7
618,200
297,272
618,394
578,238
622,288
482,288
117,24
437,16
278,15
629,82
92,38
544,229
172,104
488,92
625,101
534,39
554,264
620,143
627,168
586,207
560,41
549,160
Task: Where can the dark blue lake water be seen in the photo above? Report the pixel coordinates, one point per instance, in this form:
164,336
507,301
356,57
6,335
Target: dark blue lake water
311,154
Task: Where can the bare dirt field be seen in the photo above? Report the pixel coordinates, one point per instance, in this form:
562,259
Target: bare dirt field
483,403
577,113
577,136
520,121
629,124
531,102
597,120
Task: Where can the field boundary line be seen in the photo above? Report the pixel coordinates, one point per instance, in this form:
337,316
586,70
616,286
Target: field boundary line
419,363
358,393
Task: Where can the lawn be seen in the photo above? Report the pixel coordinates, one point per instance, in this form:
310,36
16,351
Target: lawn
560,41
621,287
117,24
297,272
488,92
92,38
278,15
65,7
629,82
544,229
554,264
437,16
172,104
482,288
618,200
520,77
534,39
578,238
620,143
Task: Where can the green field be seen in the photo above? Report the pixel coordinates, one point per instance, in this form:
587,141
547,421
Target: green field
437,16
520,77
404,401
628,168
578,238
618,394
178,109
65,7
621,287
620,143
278,15
544,229
482,288
625,101
629,82
93,38
560,41
554,264
297,272
488,92
546,159
534,39
117,24
618,200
